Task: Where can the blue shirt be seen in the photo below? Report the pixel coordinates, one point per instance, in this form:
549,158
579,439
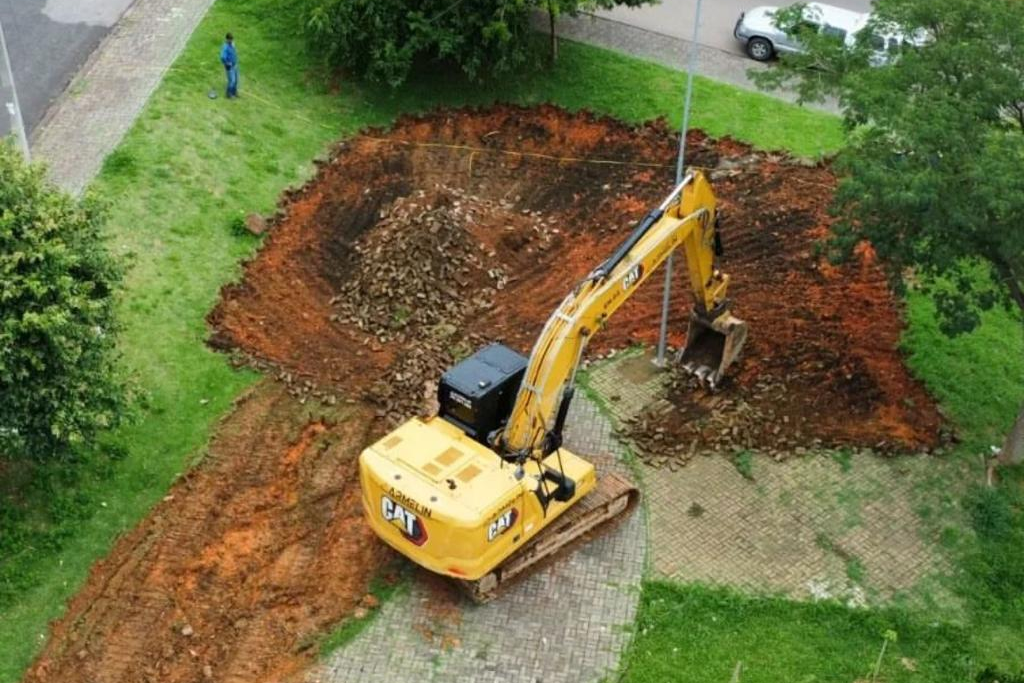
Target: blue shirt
228,56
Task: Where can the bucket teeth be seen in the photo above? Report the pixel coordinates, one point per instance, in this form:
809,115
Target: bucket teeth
707,376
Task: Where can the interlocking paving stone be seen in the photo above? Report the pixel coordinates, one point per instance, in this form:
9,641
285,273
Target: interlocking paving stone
803,527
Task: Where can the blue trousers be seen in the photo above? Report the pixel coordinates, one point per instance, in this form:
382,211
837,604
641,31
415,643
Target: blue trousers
232,72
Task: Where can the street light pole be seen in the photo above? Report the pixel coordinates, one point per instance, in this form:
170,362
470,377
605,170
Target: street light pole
13,107
667,293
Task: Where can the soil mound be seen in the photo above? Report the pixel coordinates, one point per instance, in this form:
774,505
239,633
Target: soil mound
415,245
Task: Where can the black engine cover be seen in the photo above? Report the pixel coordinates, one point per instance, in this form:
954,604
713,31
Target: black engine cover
477,394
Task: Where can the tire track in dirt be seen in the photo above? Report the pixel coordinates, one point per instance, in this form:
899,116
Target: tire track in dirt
232,576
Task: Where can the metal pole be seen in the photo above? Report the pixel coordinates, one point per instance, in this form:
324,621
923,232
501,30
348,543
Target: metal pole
12,107
667,293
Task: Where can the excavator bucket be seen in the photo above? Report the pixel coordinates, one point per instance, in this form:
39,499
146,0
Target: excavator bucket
712,345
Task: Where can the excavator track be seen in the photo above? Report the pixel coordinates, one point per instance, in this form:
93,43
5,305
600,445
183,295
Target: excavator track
612,500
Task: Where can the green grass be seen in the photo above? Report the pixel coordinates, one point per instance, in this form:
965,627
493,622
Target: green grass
977,379
697,634
179,184
976,376
743,461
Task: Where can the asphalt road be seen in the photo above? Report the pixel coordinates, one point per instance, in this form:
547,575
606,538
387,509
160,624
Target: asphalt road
718,17
47,41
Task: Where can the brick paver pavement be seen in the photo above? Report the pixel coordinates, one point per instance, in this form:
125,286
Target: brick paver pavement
808,527
567,623
101,103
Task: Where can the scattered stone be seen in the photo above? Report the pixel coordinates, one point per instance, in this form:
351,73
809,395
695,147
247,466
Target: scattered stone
256,224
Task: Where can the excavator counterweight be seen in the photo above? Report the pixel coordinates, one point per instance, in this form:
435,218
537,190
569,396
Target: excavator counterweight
484,489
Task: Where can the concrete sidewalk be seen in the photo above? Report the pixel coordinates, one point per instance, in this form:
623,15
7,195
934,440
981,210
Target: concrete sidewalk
103,100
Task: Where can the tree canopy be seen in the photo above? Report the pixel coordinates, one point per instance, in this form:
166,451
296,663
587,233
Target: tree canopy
58,384
932,172
380,40
932,92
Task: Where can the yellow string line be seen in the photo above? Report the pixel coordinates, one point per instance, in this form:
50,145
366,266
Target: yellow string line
471,148
512,152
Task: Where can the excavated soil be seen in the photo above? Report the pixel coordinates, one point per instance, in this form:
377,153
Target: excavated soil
251,555
415,245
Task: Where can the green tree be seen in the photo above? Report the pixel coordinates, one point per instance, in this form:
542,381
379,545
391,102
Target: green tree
933,173
380,40
58,384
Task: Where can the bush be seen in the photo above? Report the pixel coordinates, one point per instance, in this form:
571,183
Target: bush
58,385
380,40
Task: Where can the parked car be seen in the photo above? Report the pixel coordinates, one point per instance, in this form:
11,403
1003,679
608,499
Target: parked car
763,39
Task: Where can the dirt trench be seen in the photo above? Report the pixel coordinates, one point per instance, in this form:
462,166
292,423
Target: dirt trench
355,291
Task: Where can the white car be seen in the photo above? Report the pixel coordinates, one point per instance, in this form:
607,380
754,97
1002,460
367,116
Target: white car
763,39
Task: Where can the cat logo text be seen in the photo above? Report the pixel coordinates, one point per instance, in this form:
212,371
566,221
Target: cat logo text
502,524
406,521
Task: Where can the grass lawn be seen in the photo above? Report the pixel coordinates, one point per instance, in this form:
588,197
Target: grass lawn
697,634
192,166
977,377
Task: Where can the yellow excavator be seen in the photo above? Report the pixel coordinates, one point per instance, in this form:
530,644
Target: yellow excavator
484,489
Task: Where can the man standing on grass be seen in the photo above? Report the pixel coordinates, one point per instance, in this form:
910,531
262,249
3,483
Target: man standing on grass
229,58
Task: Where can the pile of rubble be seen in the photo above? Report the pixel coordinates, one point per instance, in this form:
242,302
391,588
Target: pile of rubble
669,433
419,267
420,279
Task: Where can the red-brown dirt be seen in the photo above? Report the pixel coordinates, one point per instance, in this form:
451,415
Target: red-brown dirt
250,556
547,195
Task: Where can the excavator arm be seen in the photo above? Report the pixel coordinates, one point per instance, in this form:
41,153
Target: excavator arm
687,218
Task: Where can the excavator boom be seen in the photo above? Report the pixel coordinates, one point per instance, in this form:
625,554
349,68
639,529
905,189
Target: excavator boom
685,218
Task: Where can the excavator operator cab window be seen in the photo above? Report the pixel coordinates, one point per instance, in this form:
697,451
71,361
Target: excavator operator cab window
476,395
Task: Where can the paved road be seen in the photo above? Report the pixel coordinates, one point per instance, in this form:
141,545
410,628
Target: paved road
48,40
675,18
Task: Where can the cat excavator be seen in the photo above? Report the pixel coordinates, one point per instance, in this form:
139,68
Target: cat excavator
484,489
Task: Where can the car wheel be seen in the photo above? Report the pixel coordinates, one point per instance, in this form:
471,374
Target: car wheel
760,49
